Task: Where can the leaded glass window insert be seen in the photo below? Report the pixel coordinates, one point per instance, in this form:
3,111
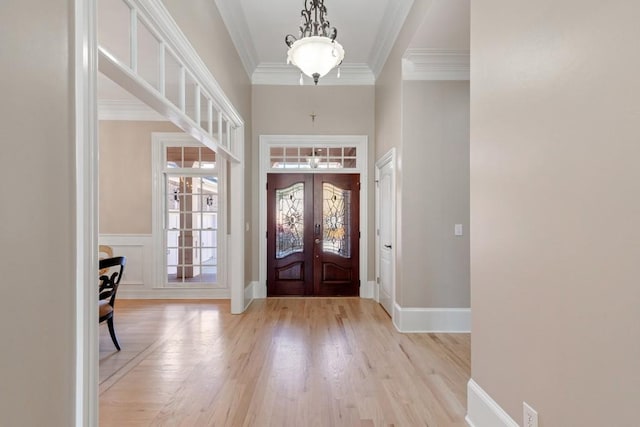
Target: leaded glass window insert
289,220
336,205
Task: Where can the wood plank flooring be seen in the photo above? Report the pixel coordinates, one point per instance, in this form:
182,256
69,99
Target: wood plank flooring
285,362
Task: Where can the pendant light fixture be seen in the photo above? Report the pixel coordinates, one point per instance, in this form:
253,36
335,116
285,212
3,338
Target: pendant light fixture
315,52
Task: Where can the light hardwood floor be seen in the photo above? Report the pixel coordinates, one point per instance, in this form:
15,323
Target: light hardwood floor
285,362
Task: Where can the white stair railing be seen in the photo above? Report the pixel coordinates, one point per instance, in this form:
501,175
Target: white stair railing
142,49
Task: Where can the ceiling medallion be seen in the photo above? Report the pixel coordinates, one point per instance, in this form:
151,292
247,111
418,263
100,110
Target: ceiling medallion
315,52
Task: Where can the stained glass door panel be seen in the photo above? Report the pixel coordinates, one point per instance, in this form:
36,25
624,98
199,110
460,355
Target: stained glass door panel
336,251
312,234
289,241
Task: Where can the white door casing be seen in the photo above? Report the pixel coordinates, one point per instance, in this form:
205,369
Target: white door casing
85,55
385,231
268,141
160,142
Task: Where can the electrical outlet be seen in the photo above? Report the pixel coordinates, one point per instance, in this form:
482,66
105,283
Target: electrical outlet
529,416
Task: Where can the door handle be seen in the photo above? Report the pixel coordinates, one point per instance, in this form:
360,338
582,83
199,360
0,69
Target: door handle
387,246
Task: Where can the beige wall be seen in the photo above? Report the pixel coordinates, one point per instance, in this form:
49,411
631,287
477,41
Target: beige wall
125,175
445,26
389,84
340,110
554,208
428,124
37,224
201,22
388,116
435,194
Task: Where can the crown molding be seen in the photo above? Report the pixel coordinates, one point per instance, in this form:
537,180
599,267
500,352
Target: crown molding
234,19
127,109
436,64
289,75
394,17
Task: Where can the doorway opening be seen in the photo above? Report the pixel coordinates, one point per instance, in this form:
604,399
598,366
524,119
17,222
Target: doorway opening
313,234
308,156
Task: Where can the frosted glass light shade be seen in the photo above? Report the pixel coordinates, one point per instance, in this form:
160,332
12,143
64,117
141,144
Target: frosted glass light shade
315,55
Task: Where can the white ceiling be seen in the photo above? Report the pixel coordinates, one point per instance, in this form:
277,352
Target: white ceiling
366,28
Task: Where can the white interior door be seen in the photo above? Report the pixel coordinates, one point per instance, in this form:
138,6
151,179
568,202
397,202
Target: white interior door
385,205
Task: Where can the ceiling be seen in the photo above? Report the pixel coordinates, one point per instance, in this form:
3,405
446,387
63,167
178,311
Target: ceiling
367,30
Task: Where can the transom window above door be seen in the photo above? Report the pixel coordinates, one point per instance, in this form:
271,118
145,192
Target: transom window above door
292,157
190,158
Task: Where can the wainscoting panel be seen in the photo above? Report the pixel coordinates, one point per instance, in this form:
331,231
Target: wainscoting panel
137,281
138,250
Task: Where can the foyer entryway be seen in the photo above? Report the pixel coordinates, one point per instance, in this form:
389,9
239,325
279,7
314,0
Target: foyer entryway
313,234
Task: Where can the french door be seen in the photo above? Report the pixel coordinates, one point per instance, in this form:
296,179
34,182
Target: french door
313,234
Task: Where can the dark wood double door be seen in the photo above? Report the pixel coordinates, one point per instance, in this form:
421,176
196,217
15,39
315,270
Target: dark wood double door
313,234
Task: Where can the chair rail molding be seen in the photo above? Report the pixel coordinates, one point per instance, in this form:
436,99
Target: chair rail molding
436,64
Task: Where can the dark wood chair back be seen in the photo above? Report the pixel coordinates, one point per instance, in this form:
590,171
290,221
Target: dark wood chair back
109,283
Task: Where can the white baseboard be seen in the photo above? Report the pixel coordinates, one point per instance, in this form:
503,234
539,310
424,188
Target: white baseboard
259,290
483,411
445,320
249,294
173,293
367,289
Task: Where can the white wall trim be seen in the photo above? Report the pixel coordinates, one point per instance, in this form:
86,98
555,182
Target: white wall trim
160,142
173,293
436,64
388,157
288,75
444,320
360,142
158,14
249,293
173,40
260,290
129,110
367,289
483,411
85,54
393,21
234,19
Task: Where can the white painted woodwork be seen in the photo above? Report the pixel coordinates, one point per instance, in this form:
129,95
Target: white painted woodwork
194,79
160,142
431,320
483,411
85,51
321,141
436,64
385,236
